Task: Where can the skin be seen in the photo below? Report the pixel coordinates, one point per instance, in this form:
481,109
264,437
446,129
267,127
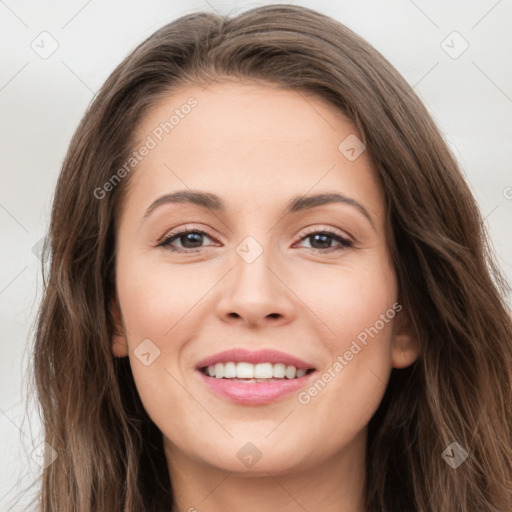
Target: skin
257,146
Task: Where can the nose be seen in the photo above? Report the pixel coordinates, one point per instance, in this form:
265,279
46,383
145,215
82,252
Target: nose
256,293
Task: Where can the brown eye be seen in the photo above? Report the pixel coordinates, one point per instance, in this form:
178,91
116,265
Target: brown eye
322,240
190,240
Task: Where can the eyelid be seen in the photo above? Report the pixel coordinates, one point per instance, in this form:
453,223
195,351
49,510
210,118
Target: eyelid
312,229
185,229
320,228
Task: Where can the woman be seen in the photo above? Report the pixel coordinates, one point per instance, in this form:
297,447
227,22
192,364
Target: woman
192,353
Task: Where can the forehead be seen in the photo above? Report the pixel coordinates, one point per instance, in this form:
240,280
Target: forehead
255,145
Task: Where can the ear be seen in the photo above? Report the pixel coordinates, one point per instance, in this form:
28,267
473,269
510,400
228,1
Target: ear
119,341
405,347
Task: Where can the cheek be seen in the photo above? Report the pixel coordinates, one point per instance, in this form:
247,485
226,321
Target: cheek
348,298
155,297
155,306
358,306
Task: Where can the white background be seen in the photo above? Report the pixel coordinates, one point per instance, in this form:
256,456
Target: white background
42,101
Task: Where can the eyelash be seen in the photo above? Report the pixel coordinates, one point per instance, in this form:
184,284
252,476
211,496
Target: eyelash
344,242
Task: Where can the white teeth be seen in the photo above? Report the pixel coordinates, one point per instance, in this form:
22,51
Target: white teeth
290,372
258,372
229,370
219,371
263,371
279,371
243,370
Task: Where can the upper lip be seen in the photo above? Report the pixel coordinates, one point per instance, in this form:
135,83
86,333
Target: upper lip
254,357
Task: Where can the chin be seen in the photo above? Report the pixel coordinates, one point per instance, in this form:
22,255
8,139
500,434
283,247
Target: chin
256,459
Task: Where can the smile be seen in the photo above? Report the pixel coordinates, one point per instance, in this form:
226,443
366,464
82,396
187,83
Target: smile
248,372
254,377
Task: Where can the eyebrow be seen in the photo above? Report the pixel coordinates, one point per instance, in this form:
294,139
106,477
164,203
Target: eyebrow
297,204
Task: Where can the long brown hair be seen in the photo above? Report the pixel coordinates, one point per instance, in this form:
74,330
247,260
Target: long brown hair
110,454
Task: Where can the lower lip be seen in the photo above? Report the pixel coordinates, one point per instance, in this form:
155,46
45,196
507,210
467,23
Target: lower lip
254,393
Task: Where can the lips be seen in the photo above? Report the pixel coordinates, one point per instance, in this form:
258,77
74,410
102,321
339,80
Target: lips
254,357
254,391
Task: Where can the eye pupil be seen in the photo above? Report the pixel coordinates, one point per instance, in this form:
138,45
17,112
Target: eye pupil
323,239
191,237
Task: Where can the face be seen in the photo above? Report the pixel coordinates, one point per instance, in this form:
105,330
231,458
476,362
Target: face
256,267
